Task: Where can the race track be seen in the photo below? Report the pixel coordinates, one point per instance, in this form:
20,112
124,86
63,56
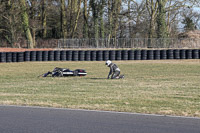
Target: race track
14,119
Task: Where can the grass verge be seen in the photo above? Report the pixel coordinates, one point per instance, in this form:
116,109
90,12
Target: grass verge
169,87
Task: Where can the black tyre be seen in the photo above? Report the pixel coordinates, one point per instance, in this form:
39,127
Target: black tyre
163,54
112,55
81,56
69,55
118,55
156,54
87,55
74,55
39,56
124,54
137,54
176,54
45,55
33,56
195,54
99,55
9,57
63,55
105,55
93,56
170,54
57,55
3,57
144,55
150,55
188,54
51,56
20,56
14,56
130,55
27,56
182,54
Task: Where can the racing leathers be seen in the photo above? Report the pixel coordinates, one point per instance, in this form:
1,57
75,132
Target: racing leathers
114,71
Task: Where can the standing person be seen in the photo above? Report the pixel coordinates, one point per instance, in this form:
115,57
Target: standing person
114,70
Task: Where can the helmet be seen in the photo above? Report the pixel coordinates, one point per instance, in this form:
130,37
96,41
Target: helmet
108,62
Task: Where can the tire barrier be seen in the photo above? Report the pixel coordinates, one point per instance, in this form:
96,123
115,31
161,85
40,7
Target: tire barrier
105,55
20,56
27,56
3,57
57,55
170,54
45,55
150,54
69,55
14,57
188,54
100,55
118,55
51,56
144,55
33,56
156,54
182,54
93,55
124,54
195,54
176,54
81,56
112,55
74,55
38,55
163,54
137,54
9,57
63,55
87,55
130,55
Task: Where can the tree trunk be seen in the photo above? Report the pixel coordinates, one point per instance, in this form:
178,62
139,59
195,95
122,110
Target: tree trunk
73,14
152,10
110,18
101,18
95,14
85,27
76,20
63,20
44,19
117,7
162,28
25,23
129,18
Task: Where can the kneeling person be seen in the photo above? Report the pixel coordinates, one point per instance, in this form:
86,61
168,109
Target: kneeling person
114,70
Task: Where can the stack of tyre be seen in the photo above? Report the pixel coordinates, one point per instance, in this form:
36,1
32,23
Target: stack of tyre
99,55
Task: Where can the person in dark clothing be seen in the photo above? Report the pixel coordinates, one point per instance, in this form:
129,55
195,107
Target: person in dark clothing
114,70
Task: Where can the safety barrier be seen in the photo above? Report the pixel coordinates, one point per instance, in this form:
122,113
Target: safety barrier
99,55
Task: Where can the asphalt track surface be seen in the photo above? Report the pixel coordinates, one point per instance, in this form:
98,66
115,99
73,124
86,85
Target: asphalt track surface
14,119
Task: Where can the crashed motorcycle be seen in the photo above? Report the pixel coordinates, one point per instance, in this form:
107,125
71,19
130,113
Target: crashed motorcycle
64,72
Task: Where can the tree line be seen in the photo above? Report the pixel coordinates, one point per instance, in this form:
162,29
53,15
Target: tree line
54,19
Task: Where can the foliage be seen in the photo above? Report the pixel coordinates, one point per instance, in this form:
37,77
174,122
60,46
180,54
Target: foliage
55,19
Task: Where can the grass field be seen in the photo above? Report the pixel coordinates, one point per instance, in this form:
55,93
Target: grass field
169,87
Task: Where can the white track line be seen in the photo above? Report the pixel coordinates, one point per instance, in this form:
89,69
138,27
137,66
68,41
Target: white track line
113,112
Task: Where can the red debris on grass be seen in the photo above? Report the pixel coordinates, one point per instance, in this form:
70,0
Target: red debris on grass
23,49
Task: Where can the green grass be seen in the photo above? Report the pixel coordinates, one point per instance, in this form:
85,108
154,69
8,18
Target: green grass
169,87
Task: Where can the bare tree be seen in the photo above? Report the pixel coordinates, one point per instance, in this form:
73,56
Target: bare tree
25,23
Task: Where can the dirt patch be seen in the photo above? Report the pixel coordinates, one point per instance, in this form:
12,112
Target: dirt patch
23,49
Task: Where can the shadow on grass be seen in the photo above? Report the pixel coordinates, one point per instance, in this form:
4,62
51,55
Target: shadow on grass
97,78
